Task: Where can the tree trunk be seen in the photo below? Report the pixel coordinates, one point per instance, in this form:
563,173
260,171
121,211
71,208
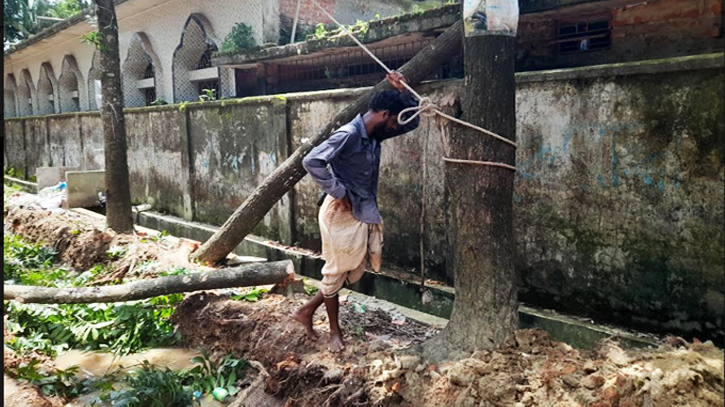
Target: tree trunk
480,201
241,276
118,193
284,177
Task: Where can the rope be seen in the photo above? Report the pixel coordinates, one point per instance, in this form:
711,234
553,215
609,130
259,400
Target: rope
493,164
425,106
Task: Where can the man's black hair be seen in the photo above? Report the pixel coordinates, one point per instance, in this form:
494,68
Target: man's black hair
390,100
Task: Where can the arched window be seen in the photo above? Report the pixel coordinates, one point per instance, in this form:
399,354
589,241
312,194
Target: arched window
94,82
69,86
9,96
47,90
192,63
140,72
25,94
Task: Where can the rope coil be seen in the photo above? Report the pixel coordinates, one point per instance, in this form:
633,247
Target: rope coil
425,106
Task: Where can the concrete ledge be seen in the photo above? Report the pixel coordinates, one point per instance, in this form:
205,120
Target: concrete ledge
204,74
26,186
395,288
50,176
652,66
406,24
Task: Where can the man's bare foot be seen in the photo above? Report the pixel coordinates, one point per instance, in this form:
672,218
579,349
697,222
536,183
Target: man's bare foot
336,342
305,318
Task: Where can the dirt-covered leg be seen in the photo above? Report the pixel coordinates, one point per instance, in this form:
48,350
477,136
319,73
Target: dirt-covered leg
304,314
333,308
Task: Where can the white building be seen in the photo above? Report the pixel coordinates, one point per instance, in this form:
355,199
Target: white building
165,47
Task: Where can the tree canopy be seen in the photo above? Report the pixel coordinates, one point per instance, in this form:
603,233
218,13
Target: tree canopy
20,19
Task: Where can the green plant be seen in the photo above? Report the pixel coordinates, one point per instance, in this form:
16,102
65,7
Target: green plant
11,190
320,31
121,327
359,26
89,275
241,37
209,95
94,38
150,386
416,9
310,289
58,383
116,252
210,375
160,236
14,172
159,102
252,295
179,271
20,256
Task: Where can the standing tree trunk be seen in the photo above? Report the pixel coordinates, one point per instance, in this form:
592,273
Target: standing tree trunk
118,193
485,310
245,218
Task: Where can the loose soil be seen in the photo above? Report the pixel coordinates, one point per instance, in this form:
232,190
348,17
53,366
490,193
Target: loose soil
381,370
379,366
83,242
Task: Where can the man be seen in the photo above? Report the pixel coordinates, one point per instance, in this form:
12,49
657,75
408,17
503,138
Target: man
350,224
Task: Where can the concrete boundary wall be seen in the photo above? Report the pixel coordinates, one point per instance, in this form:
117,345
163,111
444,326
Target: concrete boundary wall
618,200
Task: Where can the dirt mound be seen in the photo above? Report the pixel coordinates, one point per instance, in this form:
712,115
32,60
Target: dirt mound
302,372
378,367
83,242
533,371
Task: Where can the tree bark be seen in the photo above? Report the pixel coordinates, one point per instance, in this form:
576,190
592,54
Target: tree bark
260,201
480,202
241,276
118,194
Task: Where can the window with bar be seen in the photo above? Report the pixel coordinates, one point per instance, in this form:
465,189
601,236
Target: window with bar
210,84
149,93
345,68
584,36
205,60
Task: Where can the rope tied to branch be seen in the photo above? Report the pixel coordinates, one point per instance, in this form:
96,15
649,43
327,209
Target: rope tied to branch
426,107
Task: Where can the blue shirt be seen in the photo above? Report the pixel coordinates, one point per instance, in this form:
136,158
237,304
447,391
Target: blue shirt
355,160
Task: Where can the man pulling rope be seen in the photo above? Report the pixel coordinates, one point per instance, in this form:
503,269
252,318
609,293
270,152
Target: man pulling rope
350,224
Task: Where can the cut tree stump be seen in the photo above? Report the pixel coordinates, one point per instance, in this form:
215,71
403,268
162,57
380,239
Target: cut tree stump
241,276
441,50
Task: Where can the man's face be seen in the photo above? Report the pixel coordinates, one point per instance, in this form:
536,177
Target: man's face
391,124
387,125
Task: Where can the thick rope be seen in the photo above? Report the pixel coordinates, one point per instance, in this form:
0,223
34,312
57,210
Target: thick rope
425,106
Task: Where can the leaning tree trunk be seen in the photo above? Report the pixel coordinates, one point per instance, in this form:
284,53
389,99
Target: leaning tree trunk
242,276
480,202
247,216
118,193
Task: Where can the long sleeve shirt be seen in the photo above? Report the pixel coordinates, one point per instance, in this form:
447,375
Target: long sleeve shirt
354,159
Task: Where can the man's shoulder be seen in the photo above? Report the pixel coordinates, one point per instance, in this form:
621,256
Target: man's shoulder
350,130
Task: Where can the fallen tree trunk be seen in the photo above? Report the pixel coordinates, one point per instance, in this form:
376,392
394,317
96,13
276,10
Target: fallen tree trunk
443,49
241,276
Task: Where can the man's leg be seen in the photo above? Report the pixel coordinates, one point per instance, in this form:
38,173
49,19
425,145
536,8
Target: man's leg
333,306
304,314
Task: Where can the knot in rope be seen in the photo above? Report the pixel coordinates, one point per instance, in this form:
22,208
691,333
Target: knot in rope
425,108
